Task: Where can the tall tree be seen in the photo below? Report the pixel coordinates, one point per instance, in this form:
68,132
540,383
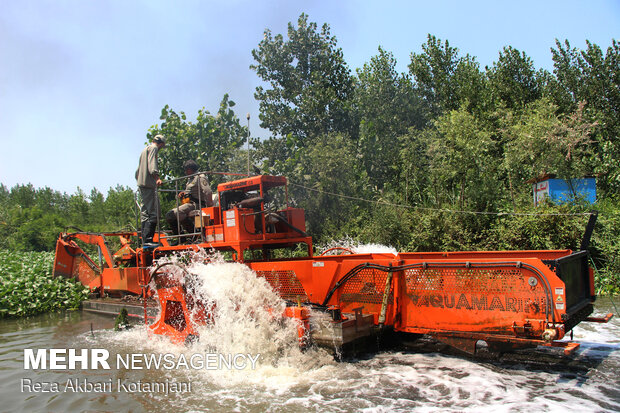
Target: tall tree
462,167
211,140
594,78
589,75
513,80
309,83
444,79
120,207
540,141
328,165
97,207
387,107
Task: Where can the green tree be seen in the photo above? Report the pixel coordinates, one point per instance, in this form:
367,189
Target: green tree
462,165
97,207
4,195
387,107
30,218
5,216
35,230
120,207
328,166
594,78
590,76
414,180
540,142
79,208
513,80
278,155
49,200
23,195
444,79
211,141
309,84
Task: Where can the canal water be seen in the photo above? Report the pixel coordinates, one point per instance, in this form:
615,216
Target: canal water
285,379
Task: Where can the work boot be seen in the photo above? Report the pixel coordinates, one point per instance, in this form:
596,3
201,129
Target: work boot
173,241
143,232
171,219
172,223
148,236
188,226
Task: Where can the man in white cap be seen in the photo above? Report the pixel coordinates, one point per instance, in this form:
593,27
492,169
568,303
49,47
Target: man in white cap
148,179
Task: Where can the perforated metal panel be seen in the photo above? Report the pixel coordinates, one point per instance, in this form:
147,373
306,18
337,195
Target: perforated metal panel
285,283
507,289
365,287
469,280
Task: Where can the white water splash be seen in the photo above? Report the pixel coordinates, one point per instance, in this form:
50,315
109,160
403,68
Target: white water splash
245,317
357,247
374,249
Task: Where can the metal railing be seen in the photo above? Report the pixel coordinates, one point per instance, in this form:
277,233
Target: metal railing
198,207
176,191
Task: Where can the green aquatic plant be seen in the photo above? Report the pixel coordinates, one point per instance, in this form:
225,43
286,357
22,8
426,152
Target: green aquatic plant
122,320
27,286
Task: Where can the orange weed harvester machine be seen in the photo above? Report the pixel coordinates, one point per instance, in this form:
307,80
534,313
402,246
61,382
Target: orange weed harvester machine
508,299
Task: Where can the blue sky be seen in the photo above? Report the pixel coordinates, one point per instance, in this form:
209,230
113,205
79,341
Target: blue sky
82,81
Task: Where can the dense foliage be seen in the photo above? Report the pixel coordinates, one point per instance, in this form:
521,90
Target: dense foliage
439,157
27,286
31,218
212,141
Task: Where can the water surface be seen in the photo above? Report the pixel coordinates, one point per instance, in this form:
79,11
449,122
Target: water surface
388,381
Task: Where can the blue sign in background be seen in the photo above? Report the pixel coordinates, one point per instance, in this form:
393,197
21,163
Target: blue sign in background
561,190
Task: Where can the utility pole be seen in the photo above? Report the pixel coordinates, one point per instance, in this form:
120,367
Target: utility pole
248,118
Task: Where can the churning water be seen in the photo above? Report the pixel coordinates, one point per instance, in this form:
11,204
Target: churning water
358,247
246,320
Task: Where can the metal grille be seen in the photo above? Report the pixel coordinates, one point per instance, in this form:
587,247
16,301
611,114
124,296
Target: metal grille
470,280
285,283
366,287
442,287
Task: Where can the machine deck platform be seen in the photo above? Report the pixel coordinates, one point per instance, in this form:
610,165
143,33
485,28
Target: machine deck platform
113,306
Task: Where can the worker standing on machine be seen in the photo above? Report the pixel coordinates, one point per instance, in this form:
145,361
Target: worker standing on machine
147,176
197,195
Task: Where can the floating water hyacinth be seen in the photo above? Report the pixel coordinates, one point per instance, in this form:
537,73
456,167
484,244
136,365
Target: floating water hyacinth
27,286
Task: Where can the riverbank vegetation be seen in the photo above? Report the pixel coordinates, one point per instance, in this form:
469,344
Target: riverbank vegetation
27,286
434,158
